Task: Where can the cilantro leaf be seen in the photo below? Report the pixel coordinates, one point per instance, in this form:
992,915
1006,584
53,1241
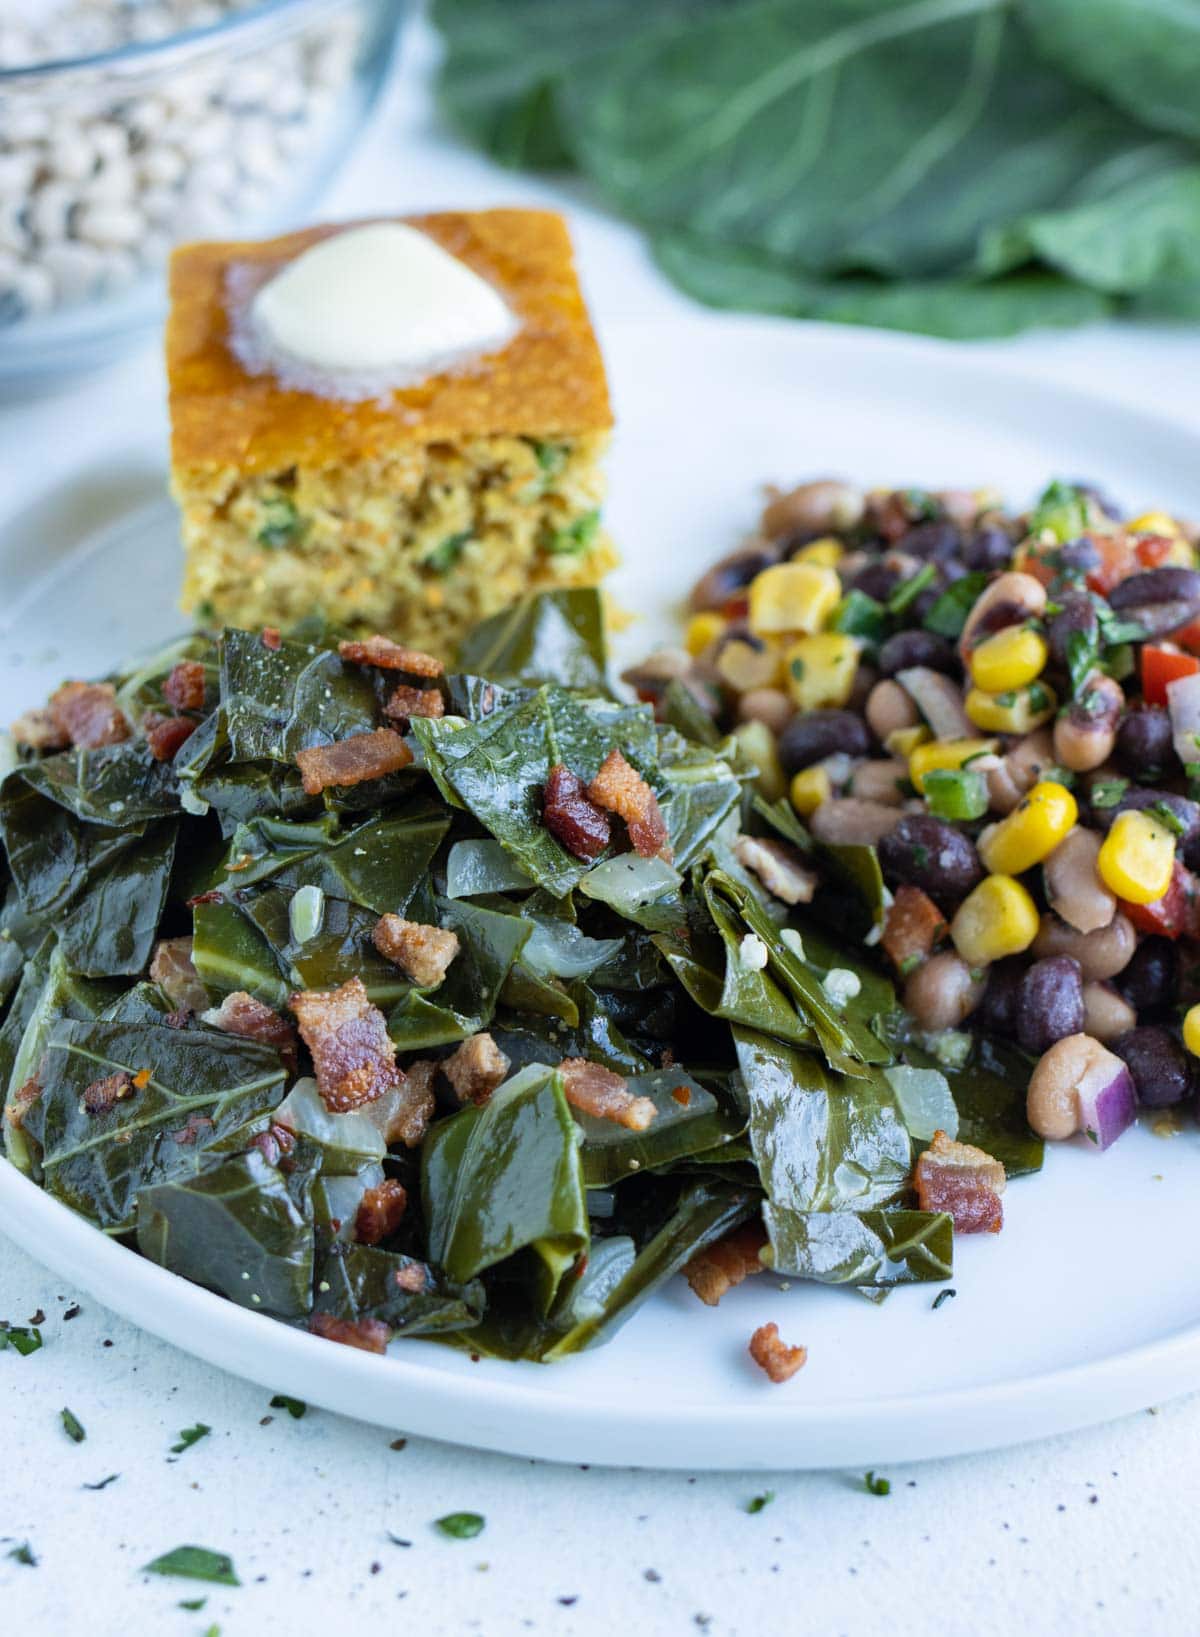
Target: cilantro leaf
461,1525
876,1485
195,1563
757,1502
23,1554
189,1436
296,1407
73,1426
24,1339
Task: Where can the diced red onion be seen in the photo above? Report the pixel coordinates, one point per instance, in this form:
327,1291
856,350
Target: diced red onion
1183,702
1107,1101
938,700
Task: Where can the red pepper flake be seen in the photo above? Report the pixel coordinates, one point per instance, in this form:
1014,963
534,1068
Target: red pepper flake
682,1096
141,1079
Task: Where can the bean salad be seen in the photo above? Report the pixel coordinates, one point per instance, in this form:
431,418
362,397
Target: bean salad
1003,712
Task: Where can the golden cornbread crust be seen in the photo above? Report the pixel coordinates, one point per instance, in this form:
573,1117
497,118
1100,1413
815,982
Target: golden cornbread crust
416,515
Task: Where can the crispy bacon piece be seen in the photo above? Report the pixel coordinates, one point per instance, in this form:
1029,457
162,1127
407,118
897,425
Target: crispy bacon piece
368,1335
352,761
104,1094
414,1278
271,638
962,1180
380,1212
423,953
718,1268
354,1060
774,1356
165,734
575,822
778,867
88,713
476,1068
40,730
184,688
172,970
406,702
620,789
602,1093
242,1015
20,1104
390,656
913,929
408,1124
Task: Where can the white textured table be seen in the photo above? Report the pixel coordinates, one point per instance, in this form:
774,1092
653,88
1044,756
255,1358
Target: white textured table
328,1523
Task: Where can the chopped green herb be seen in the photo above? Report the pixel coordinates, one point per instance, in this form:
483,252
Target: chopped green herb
73,1426
23,1554
576,538
909,590
757,1502
949,614
445,556
797,669
190,1436
461,1525
193,1605
24,1339
195,1563
1082,654
1108,792
296,1407
280,524
1167,817
1060,775
875,1485
943,1296
104,1482
1038,696
859,616
920,856
1062,511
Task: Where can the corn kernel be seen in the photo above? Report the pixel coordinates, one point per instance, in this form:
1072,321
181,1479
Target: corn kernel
820,670
1031,831
757,745
702,631
809,789
1009,659
1154,523
793,597
1137,858
903,741
1191,1030
829,552
1019,710
746,665
996,919
945,753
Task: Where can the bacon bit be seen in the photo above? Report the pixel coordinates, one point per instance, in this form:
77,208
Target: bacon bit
718,1268
212,896
271,638
380,1212
476,1068
240,1014
774,1356
423,953
104,1094
407,702
40,730
352,761
21,1103
408,1124
165,734
963,1181
197,1125
390,656
368,1335
913,929
353,1058
778,867
414,1278
575,822
682,1096
274,1143
184,688
595,1090
172,970
87,712
620,789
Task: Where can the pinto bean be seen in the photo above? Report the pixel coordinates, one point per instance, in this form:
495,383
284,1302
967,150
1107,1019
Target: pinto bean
1012,777
769,705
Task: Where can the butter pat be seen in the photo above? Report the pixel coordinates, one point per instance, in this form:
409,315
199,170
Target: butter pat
375,303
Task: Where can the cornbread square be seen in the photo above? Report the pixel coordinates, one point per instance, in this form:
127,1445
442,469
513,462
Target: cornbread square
417,514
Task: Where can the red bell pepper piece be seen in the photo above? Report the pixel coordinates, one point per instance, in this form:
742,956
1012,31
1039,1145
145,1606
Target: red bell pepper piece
1161,666
1176,914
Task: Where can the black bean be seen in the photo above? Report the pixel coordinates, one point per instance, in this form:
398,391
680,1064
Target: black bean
817,734
988,549
1077,614
878,580
731,575
908,648
1145,744
931,540
1049,1003
1160,600
997,1011
1161,1069
1076,558
1151,980
925,852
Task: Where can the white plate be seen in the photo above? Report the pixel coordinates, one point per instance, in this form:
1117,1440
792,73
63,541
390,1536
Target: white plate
1085,1307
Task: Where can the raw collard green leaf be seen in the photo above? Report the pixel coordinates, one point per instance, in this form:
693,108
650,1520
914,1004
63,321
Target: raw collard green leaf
874,1249
360,1282
556,637
203,1088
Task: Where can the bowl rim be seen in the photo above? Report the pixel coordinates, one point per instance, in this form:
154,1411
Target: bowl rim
264,20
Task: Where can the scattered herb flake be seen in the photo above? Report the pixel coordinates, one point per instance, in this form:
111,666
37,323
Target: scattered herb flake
25,1339
1108,792
758,1502
943,1296
24,1554
104,1482
398,1540
461,1525
73,1426
193,1605
189,1436
909,590
446,554
195,1563
874,1484
279,523
1167,817
296,1407
575,538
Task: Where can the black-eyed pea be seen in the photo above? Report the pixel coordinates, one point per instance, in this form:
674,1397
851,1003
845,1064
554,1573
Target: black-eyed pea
1101,954
1079,1085
1085,735
889,710
848,821
770,706
1074,889
1106,1012
943,992
1010,599
883,781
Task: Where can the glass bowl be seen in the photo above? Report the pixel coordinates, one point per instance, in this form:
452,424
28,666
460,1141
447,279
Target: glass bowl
206,119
